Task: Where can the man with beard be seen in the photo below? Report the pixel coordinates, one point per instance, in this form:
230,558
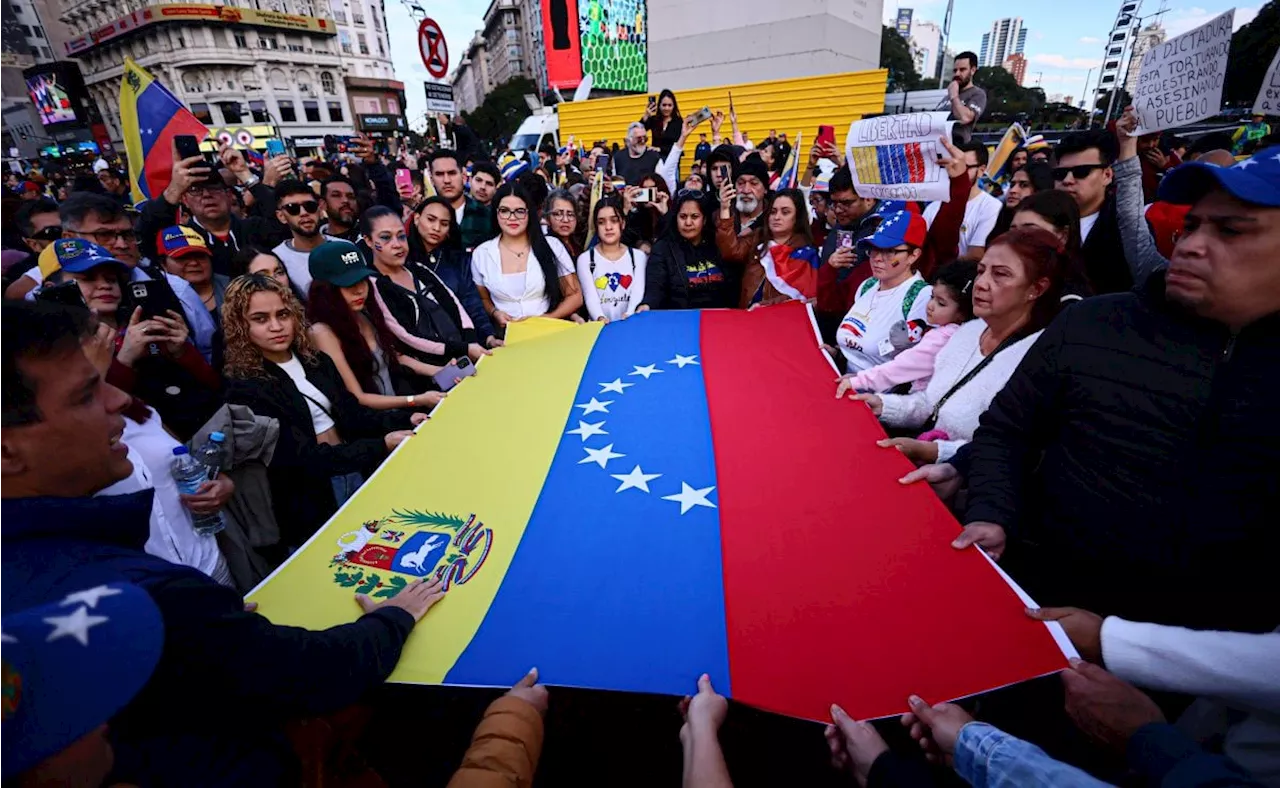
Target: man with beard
638,160
965,100
208,200
740,226
475,221
341,207
297,207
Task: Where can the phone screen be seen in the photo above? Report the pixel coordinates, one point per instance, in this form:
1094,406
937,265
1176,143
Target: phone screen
275,147
187,145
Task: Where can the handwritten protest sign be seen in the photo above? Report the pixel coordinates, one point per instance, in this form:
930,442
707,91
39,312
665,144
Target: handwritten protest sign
895,157
1268,100
1181,80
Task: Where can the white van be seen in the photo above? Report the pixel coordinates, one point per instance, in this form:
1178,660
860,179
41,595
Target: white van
542,126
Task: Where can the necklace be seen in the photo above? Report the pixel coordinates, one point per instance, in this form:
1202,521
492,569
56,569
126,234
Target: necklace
519,254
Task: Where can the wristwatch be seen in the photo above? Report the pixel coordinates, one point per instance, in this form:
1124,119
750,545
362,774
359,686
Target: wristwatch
252,181
409,399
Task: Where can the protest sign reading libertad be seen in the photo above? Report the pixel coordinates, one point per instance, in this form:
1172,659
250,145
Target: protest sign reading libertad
895,157
1181,80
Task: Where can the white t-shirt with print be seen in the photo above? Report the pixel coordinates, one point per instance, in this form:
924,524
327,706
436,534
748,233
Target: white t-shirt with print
980,215
615,287
863,335
317,402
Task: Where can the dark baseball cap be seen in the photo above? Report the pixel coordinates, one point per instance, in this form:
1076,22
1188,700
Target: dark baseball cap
339,263
1255,180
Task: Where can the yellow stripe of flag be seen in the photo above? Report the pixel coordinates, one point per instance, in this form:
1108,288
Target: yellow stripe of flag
481,455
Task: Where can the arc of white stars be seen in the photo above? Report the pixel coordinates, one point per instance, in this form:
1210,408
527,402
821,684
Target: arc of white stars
684,361
90,596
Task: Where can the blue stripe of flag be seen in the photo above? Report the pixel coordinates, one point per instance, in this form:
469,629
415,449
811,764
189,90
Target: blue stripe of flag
618,588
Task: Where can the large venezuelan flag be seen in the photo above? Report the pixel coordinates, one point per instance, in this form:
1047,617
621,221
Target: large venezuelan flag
629,506
150,117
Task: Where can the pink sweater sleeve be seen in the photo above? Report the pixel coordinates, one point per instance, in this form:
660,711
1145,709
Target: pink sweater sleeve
908,366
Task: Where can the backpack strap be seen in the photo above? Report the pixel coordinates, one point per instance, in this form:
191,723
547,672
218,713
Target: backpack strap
867,285
591,262
912,293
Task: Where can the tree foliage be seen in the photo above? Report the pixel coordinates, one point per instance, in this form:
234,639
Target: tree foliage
895,55
503,109
1005,97
1252,48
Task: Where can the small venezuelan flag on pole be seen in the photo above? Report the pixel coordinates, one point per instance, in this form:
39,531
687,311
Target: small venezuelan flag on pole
791,172
150,117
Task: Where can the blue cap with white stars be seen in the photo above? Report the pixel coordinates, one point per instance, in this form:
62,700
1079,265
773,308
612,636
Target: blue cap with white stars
1255,180
70,665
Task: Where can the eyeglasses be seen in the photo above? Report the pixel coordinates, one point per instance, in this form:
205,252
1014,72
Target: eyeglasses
306,206
200,191
1079,172
513,213
894,252
844,203
563,216
109,237
51,233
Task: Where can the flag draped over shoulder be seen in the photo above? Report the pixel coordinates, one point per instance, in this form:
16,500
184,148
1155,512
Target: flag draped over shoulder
791,171
150,117
597,192
628,536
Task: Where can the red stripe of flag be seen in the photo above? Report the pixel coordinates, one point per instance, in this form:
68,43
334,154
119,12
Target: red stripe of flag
840,584
915,162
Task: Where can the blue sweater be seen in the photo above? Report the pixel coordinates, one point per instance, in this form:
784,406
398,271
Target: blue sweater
215,708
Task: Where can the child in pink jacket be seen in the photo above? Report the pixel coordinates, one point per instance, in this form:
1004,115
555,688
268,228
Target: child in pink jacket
950,306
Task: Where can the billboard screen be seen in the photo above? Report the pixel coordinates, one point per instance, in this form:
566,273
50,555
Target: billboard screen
57,91
608,39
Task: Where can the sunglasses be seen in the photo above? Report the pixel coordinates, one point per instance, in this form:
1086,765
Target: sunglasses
694,193
295,208
1079,172
51,233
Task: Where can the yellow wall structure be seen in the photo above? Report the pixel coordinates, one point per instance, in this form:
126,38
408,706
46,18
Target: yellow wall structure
788,105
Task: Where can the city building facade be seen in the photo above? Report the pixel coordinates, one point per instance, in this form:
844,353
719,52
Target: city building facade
307,67
1114,50
926,43
1146,39
1016,64
470,80
1007,37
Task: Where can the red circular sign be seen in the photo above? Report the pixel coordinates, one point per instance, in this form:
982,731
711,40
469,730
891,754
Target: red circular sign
435,52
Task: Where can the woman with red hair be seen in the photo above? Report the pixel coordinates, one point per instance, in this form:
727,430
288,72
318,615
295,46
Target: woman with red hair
1016,295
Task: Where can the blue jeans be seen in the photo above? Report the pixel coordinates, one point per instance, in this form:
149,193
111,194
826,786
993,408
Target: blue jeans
345,486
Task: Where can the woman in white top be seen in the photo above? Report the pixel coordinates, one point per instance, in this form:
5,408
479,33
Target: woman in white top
328,440
1017,293
895,292
522,273
611,273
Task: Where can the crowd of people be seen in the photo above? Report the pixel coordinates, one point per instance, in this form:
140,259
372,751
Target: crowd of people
1077,366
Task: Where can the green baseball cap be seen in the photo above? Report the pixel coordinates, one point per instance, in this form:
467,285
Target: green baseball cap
339,263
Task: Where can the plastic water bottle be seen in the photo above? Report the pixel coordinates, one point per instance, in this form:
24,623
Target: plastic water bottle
212,455
189,474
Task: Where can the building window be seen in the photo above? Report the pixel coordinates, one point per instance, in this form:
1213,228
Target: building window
364,43
326,82
393,107
513,51
39,31
344,38
335,111
287,115
377,23
381,52
201,111
312,110
357,17
268,42
259,111
230,111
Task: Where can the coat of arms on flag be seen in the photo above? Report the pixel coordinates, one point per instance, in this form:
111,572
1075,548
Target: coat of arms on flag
383,556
